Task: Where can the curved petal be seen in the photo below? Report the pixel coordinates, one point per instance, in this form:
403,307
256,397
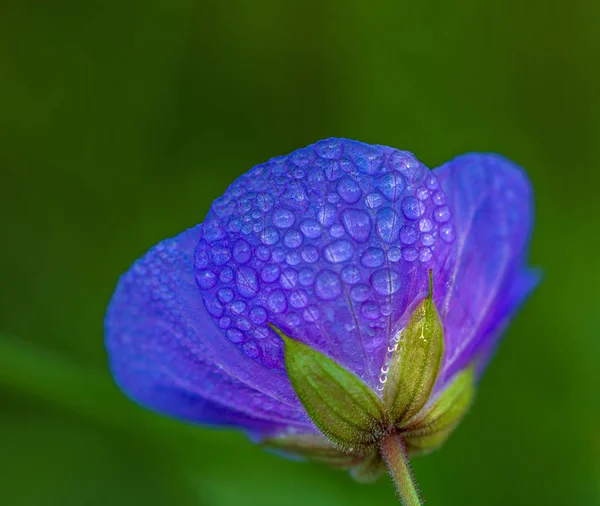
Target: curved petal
331,243
491,204
166,353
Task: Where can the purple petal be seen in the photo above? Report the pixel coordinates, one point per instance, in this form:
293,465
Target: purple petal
168,354
331,244
488,215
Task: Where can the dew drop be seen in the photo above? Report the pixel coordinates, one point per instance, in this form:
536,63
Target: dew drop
306,277
410,254
242,252
283,218
278,255
250,349
425,255
269,273
246,282
370,310
412,208
338,251
427,239
327,285
439,199
447,233
391,185
298,299
425,225
336,231
235,336
238,307
357,223
226,276
360,292
350,274
292,239
394,254
311,229
263,253
206,279
310,254
372,257
277,302
258,315
442,214
422,194
349,190
408,235
431,181
326,215
288,278
385,282
388,224
269,236
293,258
225,294
373,200
311,314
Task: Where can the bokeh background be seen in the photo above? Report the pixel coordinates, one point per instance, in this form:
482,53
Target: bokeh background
120,121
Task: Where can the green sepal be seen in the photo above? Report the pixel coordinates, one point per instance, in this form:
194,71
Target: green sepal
416,362
344,409
370,469
430,428
313,447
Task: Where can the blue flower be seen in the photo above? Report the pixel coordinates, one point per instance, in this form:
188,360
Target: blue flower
333,245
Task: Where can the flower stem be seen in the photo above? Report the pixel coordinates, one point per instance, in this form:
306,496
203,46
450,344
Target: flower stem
394,454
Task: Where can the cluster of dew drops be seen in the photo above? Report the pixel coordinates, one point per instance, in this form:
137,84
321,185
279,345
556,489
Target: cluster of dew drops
267,258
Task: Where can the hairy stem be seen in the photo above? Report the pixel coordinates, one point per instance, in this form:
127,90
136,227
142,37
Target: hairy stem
394,454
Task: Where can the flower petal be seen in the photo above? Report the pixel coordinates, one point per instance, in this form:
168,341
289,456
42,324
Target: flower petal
331,243
490,215
167,353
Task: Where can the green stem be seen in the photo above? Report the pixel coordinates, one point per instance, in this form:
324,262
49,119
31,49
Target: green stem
394,454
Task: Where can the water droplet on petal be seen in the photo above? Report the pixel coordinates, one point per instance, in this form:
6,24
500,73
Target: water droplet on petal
246,281
206,279
349,190
412,208
338,251
277,302
292,239
258,315
425,255
370,310
391,185
385,282
357,223
410,254
408,235
373,200
283,218
351,274
235,336
447,233
242,252
306,277
442,214
328,285
389,223
360,292
372,257
311,229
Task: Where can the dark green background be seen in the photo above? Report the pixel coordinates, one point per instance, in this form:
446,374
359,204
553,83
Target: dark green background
121,121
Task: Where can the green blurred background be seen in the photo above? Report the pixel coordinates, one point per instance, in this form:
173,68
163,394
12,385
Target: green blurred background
121,121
